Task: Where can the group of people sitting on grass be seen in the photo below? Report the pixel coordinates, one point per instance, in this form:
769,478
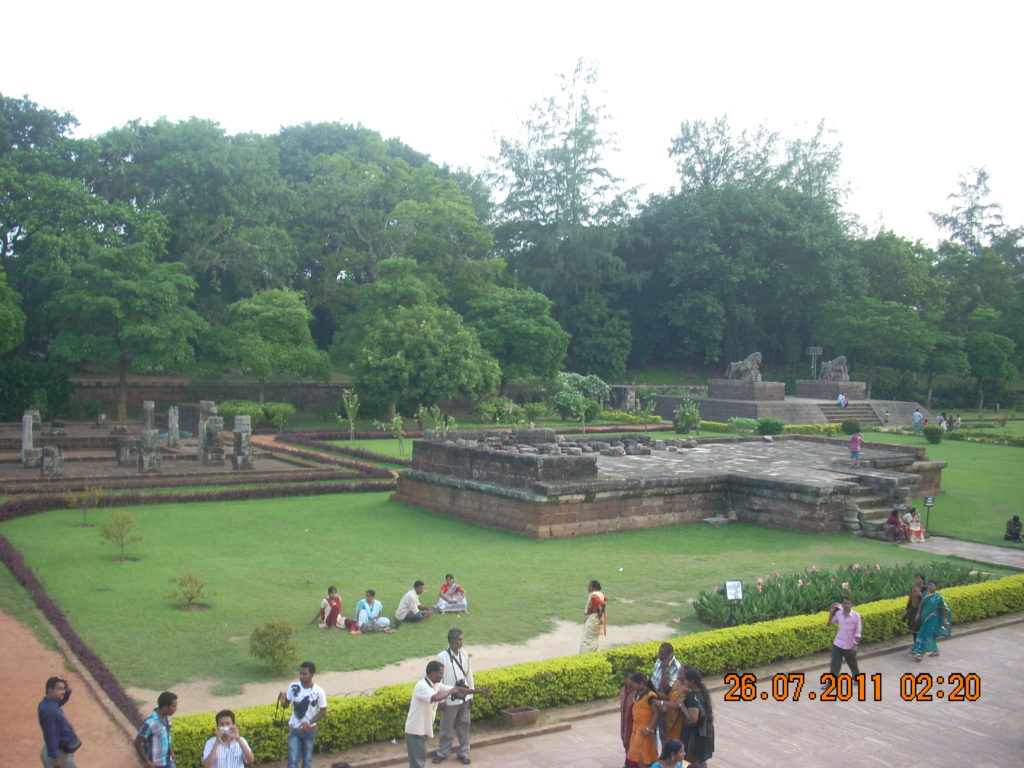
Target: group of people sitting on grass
904,529
369,611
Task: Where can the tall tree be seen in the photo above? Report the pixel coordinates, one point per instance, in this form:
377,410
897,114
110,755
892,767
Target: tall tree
562,213
268,335
12,319
122,306
990,356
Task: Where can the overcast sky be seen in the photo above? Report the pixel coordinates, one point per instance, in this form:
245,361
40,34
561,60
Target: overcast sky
918,92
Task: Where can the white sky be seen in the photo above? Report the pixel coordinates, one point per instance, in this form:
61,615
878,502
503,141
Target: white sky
918,92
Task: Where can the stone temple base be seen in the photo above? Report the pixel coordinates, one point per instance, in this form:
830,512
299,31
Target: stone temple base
733,389
829,390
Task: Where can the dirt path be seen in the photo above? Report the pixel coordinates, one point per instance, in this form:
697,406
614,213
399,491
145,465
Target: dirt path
562,641
25,664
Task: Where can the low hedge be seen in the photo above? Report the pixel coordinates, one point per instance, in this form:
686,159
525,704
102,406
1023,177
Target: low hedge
574,679
828,430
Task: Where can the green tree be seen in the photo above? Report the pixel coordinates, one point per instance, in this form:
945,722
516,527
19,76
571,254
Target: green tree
268,335
990,355
518,329
562,213
12,319
876,332
946,359
603,337
422,354
118,531
122,306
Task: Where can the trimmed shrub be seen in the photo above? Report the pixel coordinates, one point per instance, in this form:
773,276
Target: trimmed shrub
933,434
557,682
272,642
228,409
686,417
824,430
279,414
850,426
770,425
715,426
743,426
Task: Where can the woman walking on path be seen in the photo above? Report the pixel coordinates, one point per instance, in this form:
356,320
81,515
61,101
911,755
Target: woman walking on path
643,748
934,621
594,617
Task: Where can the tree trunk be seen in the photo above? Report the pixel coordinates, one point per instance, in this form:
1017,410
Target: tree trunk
122,389
981,398
262,390
928,404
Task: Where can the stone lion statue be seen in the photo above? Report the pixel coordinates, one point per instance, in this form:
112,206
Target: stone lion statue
746,369
834,370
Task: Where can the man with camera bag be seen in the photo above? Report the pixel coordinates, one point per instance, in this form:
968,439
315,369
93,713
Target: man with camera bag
455,710
309,705
58,734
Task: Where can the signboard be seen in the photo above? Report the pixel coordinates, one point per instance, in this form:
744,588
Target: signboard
929,501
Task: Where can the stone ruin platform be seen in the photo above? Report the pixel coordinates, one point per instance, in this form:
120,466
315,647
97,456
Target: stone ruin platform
534,484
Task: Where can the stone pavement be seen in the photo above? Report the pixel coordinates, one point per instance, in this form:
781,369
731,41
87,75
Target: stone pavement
810,462
969,550
890,731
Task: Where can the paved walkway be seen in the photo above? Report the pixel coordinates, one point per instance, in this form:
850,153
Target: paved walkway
969,550
890,731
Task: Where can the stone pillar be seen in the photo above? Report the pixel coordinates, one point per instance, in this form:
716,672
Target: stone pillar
213,442
207,408
172,427
149,451
26,436
242,458
148,421
52,463
127,452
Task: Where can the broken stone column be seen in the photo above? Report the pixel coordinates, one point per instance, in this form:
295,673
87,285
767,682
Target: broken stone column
207,409
26,436
172,427
148,421
213,441
149,451
127,452
242,458
51,462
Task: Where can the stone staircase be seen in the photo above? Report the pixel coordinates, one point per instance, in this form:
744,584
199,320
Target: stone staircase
868,507
862,412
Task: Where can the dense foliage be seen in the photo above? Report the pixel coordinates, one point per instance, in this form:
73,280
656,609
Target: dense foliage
153,245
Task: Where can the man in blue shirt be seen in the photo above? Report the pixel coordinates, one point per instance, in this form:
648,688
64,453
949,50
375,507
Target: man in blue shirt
61,740
153,743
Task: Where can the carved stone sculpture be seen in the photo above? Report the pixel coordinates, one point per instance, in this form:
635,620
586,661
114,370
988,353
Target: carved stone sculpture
149,451
213,440
834,370
746,369
51,462
242,458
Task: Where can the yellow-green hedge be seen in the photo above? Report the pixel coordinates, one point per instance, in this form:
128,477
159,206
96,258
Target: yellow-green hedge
829,430
572,679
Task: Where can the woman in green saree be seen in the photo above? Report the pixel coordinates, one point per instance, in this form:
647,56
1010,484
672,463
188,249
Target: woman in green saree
934,620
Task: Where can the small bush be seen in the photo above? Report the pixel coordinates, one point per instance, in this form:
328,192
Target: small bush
535,411
569,404
770,425
825,430
743,426
279,414
85,499
686,417
228,409
273,643
188,587
499,410
850,426
118,531
715,426
933,434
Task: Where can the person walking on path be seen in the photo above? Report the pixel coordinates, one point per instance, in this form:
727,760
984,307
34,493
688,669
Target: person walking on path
847,636
309,705
594,624
934,620
455,709
60,742
419,723
663,677
153,742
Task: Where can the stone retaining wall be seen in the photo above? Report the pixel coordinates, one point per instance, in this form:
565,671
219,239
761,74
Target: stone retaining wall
829,390
735,389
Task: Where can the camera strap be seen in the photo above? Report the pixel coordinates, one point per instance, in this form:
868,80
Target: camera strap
456,661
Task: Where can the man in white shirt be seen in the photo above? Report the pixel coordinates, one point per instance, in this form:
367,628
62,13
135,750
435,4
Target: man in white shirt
455,710
309,705
419,725
227,749
410,608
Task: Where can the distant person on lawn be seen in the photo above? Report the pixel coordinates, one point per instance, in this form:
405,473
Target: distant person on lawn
410,608
1013,530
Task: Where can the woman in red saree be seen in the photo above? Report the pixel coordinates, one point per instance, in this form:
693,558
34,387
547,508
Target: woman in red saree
330,614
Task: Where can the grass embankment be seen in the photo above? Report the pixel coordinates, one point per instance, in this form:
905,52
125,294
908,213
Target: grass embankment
983,485
274,560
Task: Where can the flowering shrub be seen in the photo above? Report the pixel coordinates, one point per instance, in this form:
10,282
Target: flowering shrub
777,596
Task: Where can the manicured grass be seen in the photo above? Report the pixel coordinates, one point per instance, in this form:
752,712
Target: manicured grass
275,559
984,485
15,602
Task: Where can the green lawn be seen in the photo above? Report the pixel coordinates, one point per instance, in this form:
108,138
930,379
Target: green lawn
984,485
275,559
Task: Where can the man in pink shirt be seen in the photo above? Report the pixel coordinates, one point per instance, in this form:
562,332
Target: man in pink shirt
847,636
